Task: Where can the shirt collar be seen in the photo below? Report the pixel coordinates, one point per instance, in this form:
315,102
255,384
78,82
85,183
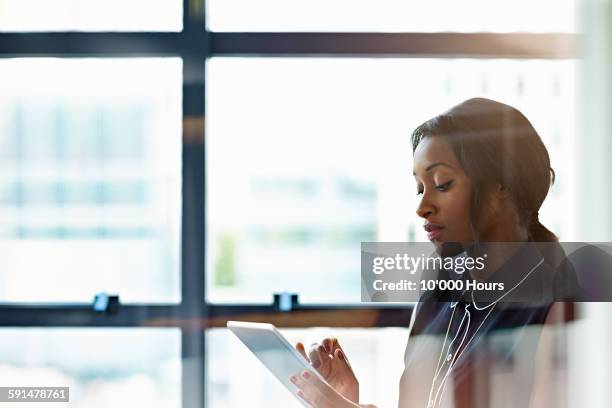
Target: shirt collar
521,276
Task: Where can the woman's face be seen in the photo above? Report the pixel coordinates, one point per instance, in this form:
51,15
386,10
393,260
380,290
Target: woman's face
445,192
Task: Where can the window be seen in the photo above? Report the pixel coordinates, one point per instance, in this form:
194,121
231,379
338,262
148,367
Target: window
90,15
376,360
109,185
130,367
320,160
391,16
90,164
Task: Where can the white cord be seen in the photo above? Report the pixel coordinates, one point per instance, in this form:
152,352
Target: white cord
514,287
462,351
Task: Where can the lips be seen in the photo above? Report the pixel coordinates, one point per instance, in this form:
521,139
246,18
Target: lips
433,231
434,235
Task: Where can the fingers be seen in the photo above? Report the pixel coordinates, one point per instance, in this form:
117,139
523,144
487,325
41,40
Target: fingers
332,346
306,391
319,358
300,348
327,358
316,392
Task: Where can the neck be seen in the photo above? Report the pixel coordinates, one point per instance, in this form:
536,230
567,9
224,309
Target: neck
507,230
496,255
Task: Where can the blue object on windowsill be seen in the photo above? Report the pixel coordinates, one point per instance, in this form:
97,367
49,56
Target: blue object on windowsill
105,303
285,301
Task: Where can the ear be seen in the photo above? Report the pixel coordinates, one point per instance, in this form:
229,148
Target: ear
501,191
498,198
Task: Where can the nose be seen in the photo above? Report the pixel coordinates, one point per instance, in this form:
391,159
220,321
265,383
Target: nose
425,208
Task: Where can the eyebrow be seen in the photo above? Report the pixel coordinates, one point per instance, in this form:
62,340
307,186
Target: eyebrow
436,164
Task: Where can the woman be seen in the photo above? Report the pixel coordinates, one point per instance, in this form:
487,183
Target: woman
482,173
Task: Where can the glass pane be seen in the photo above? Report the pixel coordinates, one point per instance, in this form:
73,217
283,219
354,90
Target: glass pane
392,15
91,15
90,158
547,363
236,378
129,368
306,158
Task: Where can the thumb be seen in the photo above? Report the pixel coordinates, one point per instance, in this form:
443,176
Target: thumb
300,348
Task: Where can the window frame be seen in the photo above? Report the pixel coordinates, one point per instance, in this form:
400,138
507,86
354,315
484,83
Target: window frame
195,44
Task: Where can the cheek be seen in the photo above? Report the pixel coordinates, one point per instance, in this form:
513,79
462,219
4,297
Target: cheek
458,220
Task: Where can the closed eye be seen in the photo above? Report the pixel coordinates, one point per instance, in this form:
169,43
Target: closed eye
440,187
444,186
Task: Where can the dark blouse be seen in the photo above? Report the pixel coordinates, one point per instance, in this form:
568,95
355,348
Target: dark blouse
457,337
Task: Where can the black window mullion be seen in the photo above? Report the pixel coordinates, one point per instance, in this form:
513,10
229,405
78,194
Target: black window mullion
201,318
83,315
419,45
194,46
192,273
195,41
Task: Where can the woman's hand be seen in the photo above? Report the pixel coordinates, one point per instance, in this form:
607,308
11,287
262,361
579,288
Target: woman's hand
330,361
319,394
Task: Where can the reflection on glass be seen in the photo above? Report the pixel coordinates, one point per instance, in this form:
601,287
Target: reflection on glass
391,15
307,158
90,182
91,15
236,378
121,368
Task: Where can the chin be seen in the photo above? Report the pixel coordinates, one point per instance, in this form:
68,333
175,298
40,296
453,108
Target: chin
449,248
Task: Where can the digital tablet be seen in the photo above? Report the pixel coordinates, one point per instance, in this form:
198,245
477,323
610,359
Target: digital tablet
274,351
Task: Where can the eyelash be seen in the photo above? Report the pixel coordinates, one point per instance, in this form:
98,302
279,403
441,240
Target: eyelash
440,187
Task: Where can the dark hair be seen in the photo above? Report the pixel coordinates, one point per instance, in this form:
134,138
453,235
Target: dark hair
496,143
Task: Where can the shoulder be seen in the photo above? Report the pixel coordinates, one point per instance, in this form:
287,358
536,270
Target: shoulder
590,264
